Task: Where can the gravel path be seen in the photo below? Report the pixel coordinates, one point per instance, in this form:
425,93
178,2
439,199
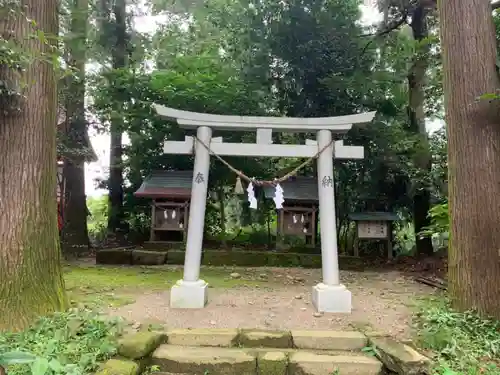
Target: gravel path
381,302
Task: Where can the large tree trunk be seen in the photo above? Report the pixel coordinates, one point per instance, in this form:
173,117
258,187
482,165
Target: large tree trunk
469,57
75,234
416,114
31,282
75,239
119,54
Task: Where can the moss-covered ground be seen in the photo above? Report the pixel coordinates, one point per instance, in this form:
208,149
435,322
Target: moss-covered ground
112,286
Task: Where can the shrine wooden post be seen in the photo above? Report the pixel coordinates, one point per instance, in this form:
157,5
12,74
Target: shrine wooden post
329,295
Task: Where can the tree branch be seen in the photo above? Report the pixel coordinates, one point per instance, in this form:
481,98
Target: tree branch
395,25
390,28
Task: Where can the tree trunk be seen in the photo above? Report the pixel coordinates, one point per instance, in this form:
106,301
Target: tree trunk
473,154
75,239
222,211
119,54
416,114
31,282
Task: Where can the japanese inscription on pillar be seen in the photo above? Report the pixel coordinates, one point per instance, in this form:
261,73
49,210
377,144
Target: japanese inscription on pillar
327,181
199,179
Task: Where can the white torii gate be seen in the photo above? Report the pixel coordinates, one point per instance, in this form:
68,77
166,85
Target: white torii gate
327,296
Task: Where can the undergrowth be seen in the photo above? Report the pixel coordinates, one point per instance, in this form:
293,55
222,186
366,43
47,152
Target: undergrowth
71,343
462,343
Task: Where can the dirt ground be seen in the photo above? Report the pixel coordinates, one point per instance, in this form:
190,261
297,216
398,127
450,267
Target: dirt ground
382,301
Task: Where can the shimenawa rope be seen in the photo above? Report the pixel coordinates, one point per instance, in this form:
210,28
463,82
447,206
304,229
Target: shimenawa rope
256,182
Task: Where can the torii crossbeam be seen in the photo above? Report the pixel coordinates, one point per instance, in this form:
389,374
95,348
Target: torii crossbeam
328,296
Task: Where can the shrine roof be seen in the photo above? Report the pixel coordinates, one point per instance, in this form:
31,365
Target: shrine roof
374,216
166,184
296,189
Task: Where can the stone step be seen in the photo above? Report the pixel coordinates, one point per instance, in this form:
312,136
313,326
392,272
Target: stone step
314,340
174,359
201,360
343,364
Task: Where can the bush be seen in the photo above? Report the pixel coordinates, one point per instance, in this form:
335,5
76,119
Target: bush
72,343
463,343
440,221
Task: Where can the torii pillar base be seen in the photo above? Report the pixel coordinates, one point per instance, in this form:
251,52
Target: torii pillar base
189,295
332,298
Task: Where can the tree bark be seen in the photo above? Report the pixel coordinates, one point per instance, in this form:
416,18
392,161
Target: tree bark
119,55
222,211
75,239
31,281
469,65
416,114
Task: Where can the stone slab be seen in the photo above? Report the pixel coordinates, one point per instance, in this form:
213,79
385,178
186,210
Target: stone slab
139,345
272,363
400,358
267,339
202,360
221,337
329,340
175,256
189,295
304,363
118,367
148,258
114,256
331,298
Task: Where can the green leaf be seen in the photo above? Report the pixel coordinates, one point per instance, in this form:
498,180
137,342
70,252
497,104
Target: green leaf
448,371
489,96
56,366
16,358
40,366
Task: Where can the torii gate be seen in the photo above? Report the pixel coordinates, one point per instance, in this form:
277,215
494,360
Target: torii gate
327,296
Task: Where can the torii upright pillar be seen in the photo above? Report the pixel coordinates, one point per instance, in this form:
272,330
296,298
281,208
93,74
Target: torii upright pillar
191,291
329,295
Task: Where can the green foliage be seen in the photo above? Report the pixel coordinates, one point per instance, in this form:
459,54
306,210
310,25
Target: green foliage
151,370
71,343
440,221
98,220
196,83
439,172
15,57
302,58
16,358
463,343
404,239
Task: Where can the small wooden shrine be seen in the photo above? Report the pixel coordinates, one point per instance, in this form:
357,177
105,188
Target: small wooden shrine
299,216
171,193
374,226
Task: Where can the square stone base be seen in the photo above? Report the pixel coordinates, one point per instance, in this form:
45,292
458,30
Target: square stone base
189,295
331,298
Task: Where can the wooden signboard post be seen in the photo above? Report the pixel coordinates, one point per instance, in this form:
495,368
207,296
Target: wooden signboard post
374,226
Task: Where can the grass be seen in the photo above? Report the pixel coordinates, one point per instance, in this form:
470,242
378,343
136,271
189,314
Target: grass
70,343
461,343
108,286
